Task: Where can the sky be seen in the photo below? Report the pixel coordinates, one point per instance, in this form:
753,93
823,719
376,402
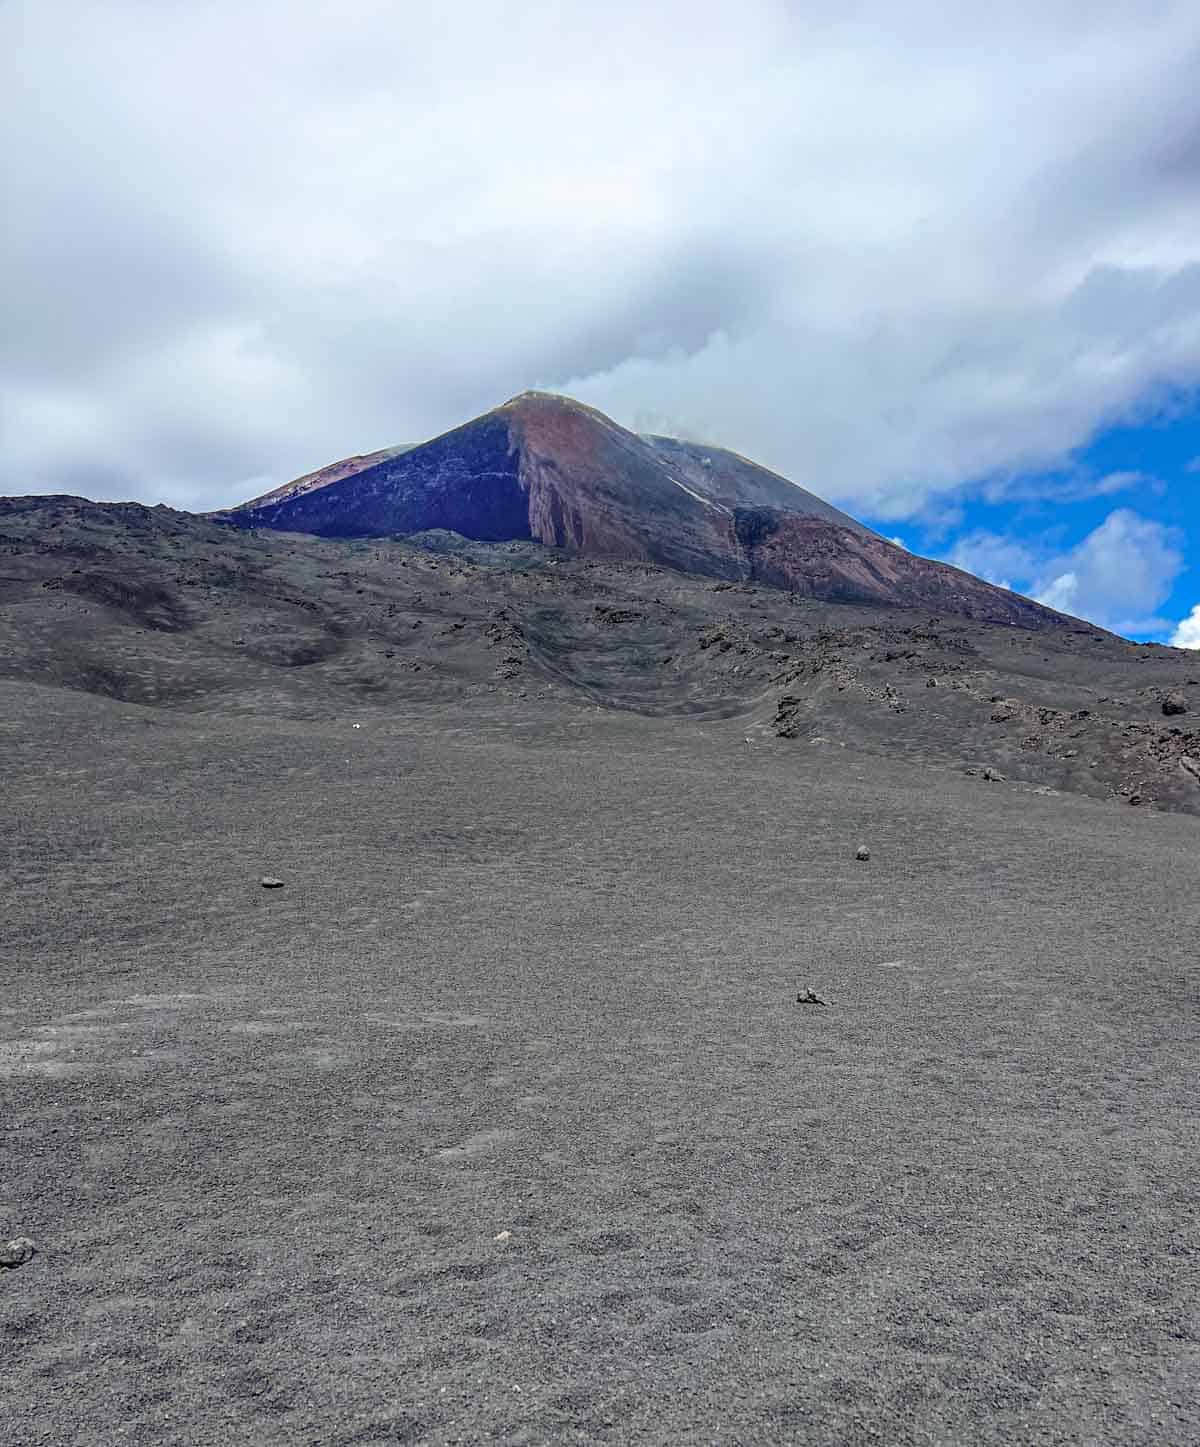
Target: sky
939,264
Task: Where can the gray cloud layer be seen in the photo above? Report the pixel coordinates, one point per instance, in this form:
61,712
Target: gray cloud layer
887,249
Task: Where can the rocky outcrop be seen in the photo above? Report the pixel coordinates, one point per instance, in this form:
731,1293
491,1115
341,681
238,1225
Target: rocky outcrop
550,470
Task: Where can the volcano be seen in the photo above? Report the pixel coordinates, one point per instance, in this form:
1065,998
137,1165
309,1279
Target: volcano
548,469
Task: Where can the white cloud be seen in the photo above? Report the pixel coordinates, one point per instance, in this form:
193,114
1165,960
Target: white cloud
1114,482
1117,576
1073,487
1187,634
1061,593
996,559
882,253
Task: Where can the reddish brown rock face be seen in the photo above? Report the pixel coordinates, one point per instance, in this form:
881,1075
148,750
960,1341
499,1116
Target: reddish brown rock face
603,492
550,469
821,560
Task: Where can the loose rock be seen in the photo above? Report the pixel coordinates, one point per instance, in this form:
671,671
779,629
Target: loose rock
1174,703
268,881
807,997
993,776
17,1252
862,853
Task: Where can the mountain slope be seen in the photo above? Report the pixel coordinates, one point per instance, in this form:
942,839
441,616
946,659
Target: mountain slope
169,612
726,477
550,470
323,476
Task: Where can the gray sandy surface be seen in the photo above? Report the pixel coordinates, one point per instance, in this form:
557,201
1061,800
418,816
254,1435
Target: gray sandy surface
535,972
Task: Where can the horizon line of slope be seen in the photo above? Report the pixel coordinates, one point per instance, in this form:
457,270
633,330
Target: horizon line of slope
154,607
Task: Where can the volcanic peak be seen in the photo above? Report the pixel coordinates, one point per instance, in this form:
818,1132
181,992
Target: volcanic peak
546,468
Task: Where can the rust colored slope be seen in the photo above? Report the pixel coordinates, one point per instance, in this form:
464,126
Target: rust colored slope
334,472
821,560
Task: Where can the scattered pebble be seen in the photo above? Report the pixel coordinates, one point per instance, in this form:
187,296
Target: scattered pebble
268,881
862,853
993,776
808,997
17,1252
503,1236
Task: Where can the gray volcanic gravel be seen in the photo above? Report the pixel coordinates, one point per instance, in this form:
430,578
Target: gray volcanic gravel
501,1122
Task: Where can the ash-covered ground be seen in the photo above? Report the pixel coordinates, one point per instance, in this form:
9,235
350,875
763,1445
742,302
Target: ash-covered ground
500,1120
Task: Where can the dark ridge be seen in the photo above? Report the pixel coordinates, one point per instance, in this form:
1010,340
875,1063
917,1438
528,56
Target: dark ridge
467,481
